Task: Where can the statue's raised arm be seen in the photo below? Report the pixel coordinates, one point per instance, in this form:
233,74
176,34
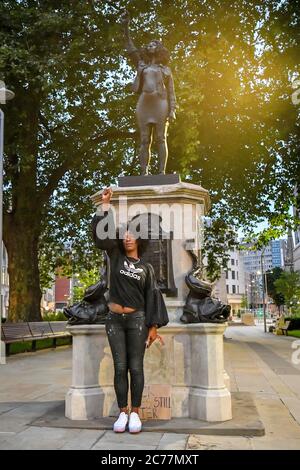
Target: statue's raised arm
131,50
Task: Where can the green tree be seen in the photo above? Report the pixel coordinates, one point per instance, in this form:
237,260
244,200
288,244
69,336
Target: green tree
272,276
244,303
56,56
71,129
289,286
84,280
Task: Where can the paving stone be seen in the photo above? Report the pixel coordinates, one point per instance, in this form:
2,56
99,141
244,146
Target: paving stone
173,441
197,442
147,438
4,407
35,439
125,446
293,405
9,424
256,362
85,440
269,443
277,419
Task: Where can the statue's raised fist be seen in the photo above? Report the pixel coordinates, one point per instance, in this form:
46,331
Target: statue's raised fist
125,17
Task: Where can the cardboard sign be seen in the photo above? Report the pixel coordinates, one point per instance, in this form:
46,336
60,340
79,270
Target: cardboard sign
156,402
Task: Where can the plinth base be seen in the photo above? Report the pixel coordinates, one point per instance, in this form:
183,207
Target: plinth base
210,405
84,404
190,363
245,421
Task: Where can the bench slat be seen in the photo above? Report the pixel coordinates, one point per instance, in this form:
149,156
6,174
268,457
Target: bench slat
32,331
59,327
40,328
16,330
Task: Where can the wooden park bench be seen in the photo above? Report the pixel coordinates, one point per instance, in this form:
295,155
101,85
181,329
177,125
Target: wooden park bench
285,327
33,331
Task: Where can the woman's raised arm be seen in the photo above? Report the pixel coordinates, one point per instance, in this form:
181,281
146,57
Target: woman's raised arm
103,227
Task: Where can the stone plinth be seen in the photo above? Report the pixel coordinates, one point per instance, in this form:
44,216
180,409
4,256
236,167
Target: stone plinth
191,361
148,180
84,399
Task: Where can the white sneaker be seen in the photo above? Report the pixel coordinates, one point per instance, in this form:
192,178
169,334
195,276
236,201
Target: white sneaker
121,423
135,424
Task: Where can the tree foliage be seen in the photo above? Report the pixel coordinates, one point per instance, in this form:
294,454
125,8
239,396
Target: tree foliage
244,302
272,277
71,128
289,286
84,280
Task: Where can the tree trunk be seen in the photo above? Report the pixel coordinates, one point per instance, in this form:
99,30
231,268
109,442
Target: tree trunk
24,280
22,224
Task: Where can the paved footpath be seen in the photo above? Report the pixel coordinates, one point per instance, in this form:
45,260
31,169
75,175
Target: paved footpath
256,362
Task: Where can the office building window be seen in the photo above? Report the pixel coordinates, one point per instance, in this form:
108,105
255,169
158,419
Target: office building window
233,274
233,289
227,288
226,274
232,262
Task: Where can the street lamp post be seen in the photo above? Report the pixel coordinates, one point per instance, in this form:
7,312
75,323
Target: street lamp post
266,288
5,95
252,293
263,288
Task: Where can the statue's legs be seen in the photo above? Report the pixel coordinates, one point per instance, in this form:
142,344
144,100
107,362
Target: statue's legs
161,130
146,141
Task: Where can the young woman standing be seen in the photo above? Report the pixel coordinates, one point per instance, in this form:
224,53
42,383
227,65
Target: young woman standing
136,311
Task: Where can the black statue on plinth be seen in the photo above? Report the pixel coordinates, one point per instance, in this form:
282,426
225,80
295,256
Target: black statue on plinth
200,307
93,308
157,102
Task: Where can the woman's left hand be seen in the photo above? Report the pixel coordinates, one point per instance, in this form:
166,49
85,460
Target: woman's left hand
152,336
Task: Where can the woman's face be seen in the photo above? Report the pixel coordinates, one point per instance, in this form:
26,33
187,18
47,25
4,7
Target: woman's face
129,242
151,48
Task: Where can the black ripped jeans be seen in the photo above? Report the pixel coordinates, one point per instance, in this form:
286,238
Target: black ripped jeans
127,335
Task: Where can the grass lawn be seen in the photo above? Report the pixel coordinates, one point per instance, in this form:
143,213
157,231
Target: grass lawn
294,333
16,348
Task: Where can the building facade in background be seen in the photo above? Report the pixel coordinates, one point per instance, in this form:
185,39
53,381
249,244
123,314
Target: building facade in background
272,256
277,253
230,288
219,290
62,292
235,281
243,278
256,264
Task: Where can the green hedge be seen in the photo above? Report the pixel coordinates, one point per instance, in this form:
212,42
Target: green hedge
295,322
25,346
295,333
54,316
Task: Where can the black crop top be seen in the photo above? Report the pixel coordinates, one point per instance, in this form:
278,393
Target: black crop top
132,283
